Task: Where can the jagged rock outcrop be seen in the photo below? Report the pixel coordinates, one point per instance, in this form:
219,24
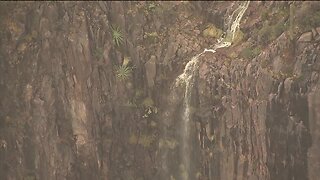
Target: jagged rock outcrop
260,119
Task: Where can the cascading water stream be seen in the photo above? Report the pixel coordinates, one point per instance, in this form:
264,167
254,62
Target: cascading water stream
188,78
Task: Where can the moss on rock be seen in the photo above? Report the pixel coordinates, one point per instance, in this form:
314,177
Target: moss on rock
212,31
238,37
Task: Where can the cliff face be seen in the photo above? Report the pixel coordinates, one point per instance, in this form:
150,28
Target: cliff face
66,113
262,123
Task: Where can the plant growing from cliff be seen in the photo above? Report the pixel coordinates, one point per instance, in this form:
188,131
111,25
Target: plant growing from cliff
212,31
250,52
117,35
152,36
307,17
150,7
265,14
98,53
144,140
123,72
149,107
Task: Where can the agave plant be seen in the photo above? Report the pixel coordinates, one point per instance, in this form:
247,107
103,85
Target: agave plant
123,72
117,35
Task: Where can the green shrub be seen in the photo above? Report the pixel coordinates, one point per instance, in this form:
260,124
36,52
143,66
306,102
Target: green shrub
144,140
148,102
168,143
250,53
278,29
264,34
123,72
212,31
151,35
309,21
117,36
307,16
274,24
151,6
264,15
238,37
271,32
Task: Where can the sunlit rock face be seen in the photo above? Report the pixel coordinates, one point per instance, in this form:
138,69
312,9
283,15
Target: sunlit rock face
68,112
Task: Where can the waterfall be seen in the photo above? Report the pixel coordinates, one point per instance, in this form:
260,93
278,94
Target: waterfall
187,78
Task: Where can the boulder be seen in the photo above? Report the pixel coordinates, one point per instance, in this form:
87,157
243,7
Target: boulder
305,37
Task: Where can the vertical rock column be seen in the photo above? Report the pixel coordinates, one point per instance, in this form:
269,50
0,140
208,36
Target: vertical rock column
314,125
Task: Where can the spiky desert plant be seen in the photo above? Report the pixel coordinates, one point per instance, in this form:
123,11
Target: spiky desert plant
123,72
117,35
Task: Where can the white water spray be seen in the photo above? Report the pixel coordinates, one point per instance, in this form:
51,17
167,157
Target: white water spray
188,78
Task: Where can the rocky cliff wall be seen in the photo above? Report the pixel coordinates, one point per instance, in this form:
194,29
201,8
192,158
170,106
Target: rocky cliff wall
66,114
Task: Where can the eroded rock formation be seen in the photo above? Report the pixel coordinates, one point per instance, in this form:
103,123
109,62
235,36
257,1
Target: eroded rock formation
64,114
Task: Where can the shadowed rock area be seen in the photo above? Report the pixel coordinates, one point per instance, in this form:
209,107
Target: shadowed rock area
87,91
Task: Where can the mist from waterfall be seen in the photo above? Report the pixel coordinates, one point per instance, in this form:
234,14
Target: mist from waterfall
187,78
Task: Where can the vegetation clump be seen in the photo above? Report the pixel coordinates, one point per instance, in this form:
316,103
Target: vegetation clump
238,37
117,35
306,16
212,31
275,22
143,140
270,32
250,52
123,72
149,107
168,143
98,53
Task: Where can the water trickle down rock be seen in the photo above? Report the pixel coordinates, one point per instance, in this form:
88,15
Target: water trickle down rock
187,78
